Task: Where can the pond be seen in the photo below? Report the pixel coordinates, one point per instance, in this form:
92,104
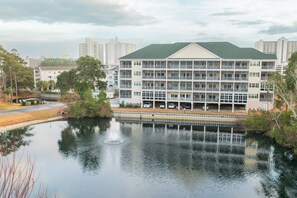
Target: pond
155,159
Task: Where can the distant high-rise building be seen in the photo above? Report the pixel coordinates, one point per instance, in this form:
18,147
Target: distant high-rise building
33,62
282,48
116,49
92,48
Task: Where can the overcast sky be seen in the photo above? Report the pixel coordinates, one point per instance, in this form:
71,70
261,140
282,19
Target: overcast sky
55,27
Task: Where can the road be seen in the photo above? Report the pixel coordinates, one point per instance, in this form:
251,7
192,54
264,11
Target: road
33,108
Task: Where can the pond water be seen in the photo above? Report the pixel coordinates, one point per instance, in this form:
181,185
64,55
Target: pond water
155,159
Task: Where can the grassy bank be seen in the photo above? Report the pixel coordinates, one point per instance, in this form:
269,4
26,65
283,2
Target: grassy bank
17,118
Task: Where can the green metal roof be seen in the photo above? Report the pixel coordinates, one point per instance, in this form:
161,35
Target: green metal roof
224,50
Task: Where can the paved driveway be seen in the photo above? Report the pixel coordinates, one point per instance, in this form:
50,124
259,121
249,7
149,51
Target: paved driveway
33,108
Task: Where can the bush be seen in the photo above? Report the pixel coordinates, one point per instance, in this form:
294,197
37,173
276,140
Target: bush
90,107
259,122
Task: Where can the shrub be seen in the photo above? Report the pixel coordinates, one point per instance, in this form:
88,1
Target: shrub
259,122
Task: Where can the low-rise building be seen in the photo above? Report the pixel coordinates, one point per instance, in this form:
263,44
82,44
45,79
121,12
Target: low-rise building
214,76
47,73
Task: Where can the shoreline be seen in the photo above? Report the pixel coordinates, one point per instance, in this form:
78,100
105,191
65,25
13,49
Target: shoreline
28,123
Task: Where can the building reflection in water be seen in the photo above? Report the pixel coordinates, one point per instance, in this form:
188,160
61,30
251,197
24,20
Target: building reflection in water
216,149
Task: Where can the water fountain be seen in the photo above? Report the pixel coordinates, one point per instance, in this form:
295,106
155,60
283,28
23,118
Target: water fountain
113,138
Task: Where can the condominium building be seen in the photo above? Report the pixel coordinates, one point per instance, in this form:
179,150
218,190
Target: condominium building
213,76
116,49
92,48
47,73
112,76
282,48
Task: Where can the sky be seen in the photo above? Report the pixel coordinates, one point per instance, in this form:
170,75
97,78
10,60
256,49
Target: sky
54,28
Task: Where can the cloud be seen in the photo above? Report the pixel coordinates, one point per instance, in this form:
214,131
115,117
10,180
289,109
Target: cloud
98,12
281,29
247,23
228,13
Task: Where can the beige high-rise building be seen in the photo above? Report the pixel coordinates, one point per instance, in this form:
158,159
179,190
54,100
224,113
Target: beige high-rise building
116,49
92,48
282,48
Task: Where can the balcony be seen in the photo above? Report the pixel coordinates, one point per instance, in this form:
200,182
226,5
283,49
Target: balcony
125,86
199,99
147,87
227,78
212,78
213,67
241,78
186,78
199,89
160,77
186,88
227,90
212,100
241,90
199,78
268,67
160,87
125,76
125,64
173,98
231,67
173,77
173,88
147,77
241,67
185,99
212,89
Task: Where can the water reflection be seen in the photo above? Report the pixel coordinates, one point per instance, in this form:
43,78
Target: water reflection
161,159
79,140
11,141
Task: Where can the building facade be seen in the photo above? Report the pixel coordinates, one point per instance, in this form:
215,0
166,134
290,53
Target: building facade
92,48
112,76
213,76
47,73
116,49
282,48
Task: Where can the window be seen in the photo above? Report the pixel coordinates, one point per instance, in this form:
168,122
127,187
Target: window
137,73
137,83
254,85
253,95
160,95
254,74
136,93
255,63
137,62
226,97
240,98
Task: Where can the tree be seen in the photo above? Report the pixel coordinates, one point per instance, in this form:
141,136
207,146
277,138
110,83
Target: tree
87,75
14,74
285,87
42,85
65,81
51,84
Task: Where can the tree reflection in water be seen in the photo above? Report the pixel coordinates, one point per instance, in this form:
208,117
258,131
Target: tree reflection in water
80,140
281,180
11,141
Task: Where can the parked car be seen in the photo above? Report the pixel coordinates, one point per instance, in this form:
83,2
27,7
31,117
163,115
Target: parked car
147,105
205,108
162,106
171,106
188,106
